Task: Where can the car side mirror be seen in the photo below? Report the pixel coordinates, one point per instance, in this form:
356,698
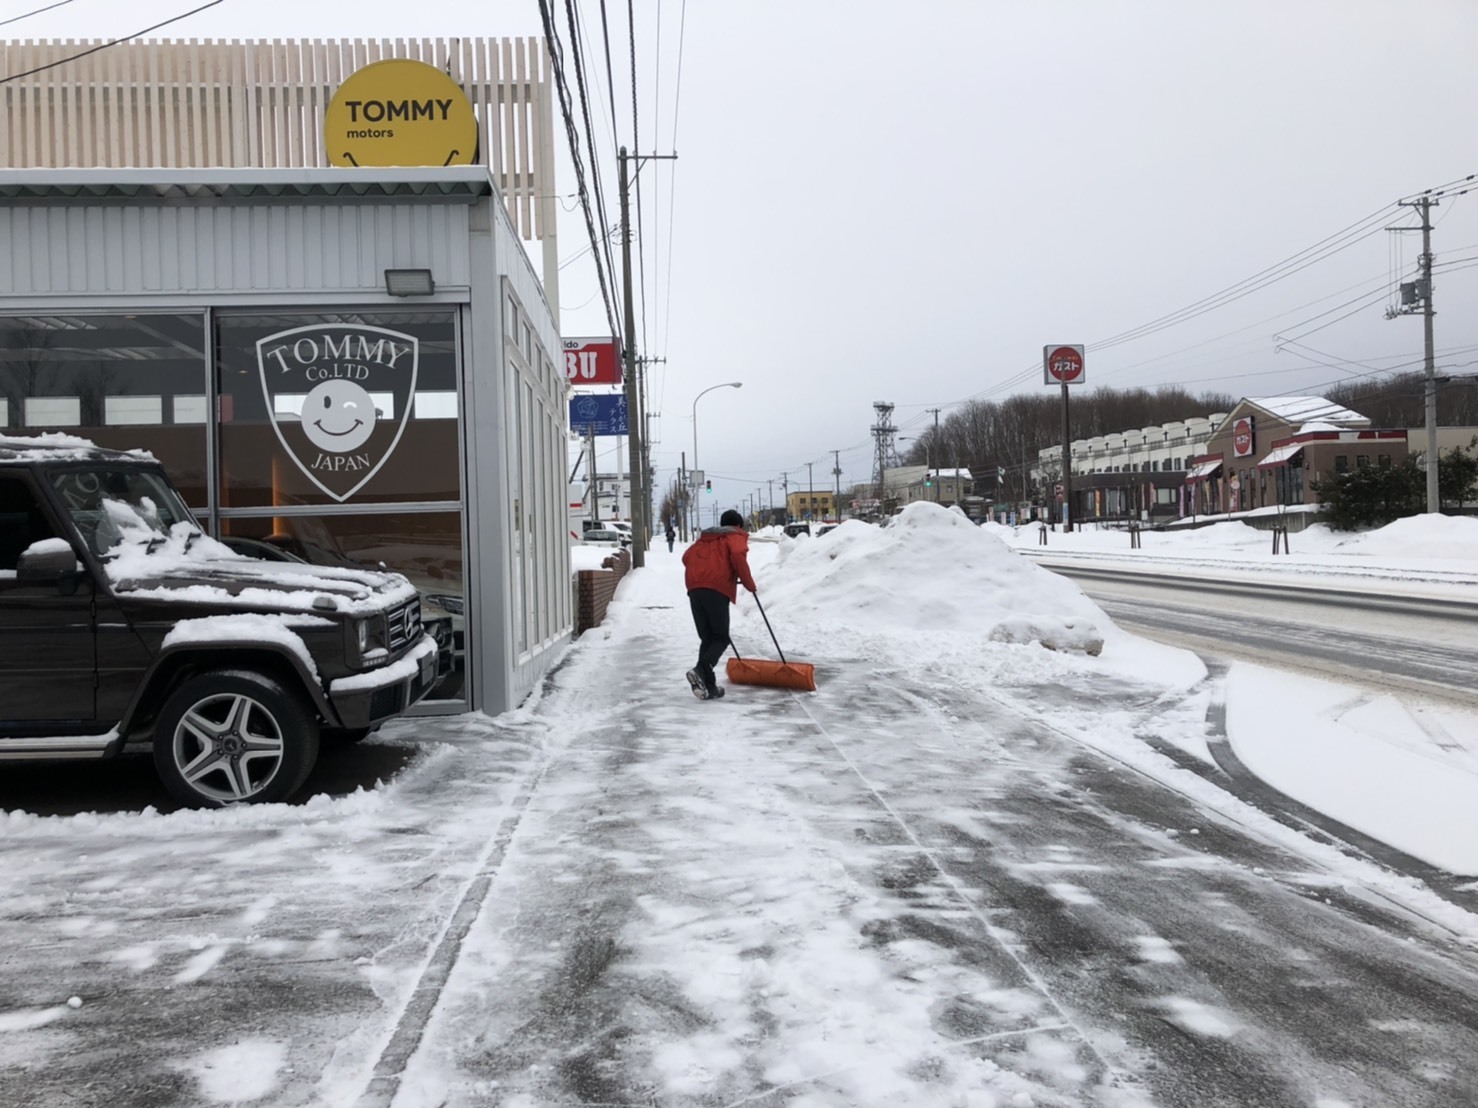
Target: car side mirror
49,561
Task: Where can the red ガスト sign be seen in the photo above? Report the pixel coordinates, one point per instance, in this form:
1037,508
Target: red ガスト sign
1242,437
592,361
1062,365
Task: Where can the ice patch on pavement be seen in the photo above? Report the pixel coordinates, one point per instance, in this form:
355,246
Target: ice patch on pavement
1199,1019
244,1071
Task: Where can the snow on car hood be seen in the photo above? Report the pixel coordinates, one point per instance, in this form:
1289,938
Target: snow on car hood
187,566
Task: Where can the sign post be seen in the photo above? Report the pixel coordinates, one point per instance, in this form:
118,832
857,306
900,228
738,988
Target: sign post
1064,364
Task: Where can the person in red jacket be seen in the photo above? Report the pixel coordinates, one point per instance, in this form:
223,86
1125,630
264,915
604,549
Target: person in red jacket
715,564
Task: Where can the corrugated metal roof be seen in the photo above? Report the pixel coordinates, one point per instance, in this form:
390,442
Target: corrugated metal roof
453,183
1302,409
1204,470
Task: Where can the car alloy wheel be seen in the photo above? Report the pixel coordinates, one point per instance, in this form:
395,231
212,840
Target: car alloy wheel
229,737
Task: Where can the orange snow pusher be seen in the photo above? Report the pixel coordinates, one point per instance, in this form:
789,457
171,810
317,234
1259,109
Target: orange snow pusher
762,671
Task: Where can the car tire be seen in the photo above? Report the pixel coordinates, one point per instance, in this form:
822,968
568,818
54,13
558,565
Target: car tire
234,736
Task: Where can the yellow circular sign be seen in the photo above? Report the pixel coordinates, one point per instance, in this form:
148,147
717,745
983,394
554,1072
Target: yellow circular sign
400,112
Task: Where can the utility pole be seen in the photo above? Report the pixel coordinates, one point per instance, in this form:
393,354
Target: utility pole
810,488
682,497
635,431
785,488
594,492
641,472
646,426
836,471
936,450
1417,296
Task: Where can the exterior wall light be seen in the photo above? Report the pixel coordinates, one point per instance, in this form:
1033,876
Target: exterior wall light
409,282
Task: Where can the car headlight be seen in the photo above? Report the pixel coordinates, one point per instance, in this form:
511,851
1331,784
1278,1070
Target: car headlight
361,635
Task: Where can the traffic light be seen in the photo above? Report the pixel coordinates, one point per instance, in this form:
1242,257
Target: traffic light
707,486
928,482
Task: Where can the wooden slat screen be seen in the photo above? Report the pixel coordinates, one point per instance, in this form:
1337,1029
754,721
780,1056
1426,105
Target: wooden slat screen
213,104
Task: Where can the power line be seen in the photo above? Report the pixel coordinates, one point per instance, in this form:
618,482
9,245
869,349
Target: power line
672,192
105,45
641,253
1322,249
556,65
605,34
578,62
38,11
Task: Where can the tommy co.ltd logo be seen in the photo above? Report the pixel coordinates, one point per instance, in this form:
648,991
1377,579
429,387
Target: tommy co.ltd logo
338,396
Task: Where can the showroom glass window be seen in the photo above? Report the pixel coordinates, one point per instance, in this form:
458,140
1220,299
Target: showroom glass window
134,381
338,408
340,445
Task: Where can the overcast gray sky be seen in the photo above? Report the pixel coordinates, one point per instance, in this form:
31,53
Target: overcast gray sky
904,201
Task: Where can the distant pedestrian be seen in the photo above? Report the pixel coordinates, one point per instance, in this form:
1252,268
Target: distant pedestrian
715,564
671,534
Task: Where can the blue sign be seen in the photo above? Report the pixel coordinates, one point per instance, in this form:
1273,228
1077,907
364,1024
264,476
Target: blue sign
603,415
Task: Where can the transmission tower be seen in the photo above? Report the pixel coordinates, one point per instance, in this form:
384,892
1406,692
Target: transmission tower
886,454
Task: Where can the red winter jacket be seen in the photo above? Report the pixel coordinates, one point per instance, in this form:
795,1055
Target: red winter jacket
718,560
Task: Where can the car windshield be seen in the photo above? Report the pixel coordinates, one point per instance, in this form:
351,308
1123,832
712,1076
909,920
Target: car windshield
114,506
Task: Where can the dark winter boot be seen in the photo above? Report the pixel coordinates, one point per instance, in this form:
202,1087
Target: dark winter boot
695,679
710,683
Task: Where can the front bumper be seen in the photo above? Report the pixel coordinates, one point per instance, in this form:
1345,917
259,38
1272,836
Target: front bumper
367,699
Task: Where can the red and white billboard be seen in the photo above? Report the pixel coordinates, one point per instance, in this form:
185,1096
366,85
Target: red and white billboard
592,361
1242,437
1062,364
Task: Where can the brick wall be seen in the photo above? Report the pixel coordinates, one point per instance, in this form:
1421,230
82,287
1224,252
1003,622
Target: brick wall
594,589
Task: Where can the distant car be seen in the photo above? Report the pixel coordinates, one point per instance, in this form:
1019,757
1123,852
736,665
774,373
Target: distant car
825,528
794,529
610,525
600,536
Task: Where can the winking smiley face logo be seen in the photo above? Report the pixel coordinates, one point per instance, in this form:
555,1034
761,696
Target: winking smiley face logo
338,396
338,416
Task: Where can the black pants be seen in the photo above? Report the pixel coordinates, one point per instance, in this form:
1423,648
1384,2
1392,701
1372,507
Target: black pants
711,618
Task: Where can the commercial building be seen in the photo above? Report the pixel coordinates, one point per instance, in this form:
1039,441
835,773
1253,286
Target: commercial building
806,505
1135,474
334,361
1267,454
906,484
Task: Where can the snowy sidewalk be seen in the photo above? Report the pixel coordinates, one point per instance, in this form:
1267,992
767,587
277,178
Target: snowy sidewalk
843,898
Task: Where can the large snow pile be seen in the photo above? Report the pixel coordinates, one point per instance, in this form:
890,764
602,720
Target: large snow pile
930,569
1424,536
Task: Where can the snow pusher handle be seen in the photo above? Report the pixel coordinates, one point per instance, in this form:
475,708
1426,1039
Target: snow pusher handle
768,628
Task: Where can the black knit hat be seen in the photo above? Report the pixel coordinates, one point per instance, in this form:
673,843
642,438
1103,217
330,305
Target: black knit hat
731,518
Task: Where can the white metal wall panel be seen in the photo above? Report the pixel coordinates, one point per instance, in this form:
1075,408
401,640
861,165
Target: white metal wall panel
194,104
57,249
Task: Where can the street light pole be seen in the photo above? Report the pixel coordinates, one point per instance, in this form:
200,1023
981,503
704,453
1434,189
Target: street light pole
698,514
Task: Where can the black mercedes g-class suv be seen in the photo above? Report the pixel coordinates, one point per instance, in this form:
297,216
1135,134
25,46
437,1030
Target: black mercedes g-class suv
123,628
